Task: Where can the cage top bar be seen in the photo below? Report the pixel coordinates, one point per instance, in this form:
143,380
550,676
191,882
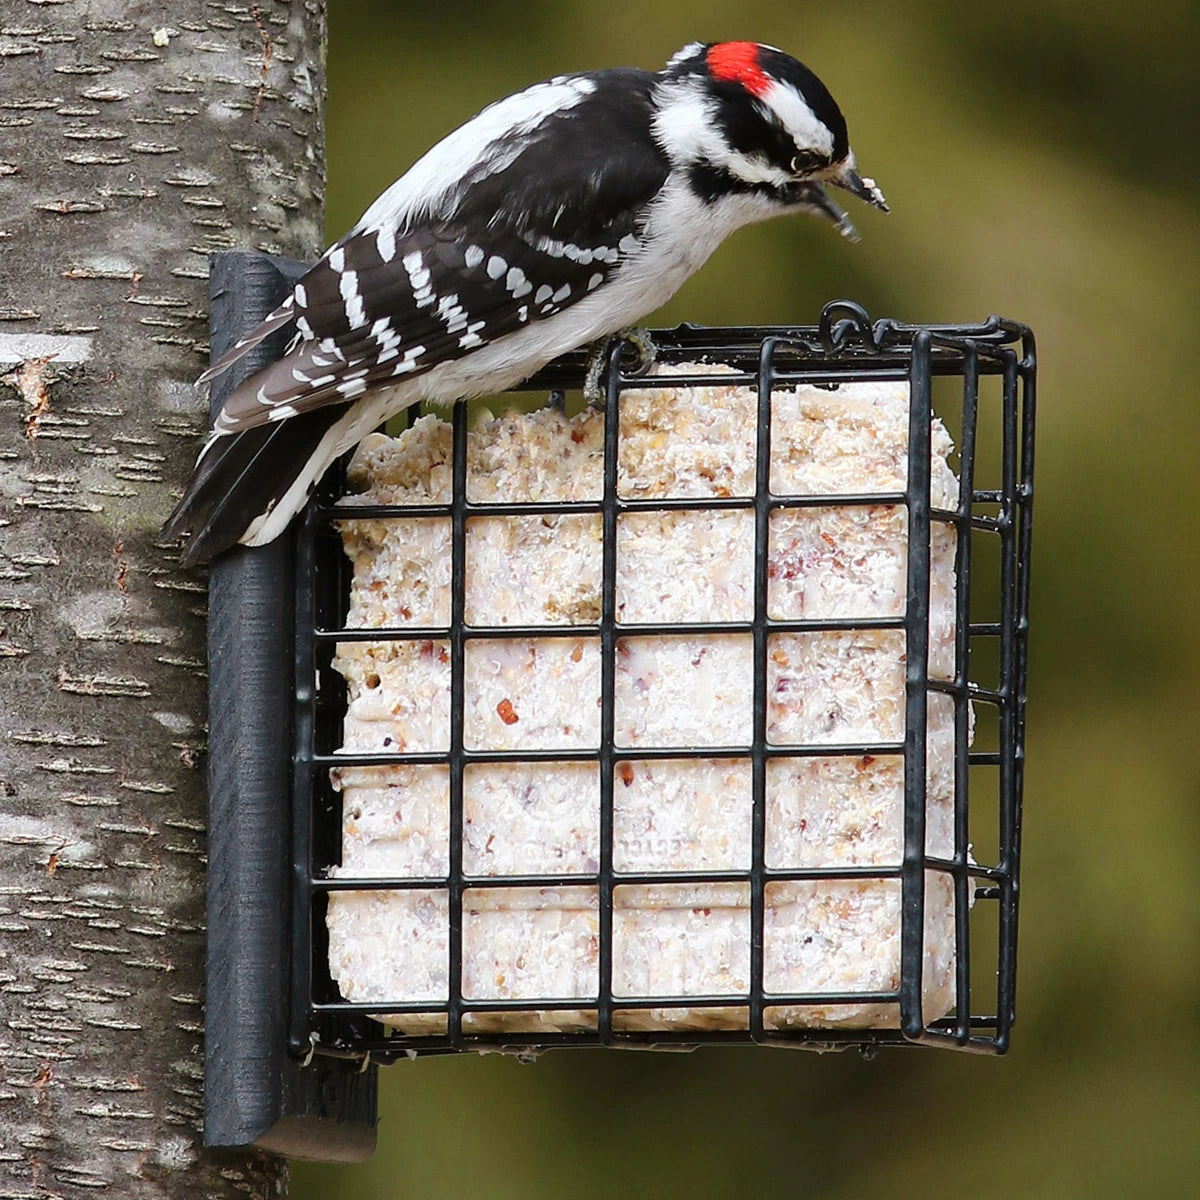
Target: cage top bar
844,340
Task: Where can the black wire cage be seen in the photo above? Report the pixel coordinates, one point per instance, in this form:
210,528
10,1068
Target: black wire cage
980,381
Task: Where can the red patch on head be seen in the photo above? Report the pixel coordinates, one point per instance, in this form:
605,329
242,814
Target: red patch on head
738,63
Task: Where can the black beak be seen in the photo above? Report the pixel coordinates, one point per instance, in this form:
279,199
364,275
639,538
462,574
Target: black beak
865,189
814,196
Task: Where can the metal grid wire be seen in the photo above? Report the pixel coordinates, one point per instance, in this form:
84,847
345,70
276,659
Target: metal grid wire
844,347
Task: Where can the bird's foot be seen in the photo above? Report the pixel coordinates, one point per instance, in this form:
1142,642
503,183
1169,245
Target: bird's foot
597,363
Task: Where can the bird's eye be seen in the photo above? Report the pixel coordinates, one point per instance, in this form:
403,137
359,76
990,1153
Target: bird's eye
805,160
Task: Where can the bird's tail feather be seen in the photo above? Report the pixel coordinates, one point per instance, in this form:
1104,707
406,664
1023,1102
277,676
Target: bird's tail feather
277,320
242,475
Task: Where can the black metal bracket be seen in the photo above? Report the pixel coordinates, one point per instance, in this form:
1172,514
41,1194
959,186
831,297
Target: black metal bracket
256,1092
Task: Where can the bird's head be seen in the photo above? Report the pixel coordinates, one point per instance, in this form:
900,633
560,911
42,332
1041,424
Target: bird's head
746,118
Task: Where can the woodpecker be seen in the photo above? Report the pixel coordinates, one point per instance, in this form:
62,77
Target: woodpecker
552,219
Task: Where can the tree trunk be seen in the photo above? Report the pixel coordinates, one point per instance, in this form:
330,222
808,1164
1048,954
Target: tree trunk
135,138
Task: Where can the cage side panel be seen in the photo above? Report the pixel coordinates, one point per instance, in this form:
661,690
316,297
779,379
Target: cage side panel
916,613
608,650
758,760
962,716
1010,747
458,587
1028,376
250,1082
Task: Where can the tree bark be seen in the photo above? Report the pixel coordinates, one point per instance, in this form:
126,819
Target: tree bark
135,138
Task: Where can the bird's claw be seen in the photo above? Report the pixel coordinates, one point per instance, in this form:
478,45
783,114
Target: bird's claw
598,358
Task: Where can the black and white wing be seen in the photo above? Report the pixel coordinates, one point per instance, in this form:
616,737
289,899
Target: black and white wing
541,219
518,215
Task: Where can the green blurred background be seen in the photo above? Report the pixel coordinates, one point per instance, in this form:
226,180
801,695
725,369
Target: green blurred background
1040,160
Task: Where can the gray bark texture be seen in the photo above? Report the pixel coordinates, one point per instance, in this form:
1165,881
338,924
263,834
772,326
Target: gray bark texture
135,138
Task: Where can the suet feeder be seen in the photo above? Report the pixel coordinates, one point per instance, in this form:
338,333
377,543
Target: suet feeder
336,944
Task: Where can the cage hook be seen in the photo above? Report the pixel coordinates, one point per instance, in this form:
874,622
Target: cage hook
835,333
